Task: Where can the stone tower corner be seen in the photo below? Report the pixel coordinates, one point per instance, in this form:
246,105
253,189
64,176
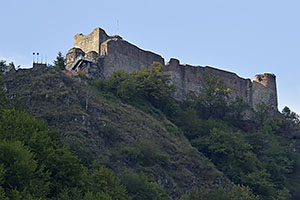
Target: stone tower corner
267,80
90,42
264,90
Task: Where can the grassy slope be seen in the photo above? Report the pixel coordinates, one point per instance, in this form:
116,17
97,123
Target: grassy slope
118,135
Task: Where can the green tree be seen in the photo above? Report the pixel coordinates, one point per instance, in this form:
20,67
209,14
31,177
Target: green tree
262,114
103,181
274,152
229,152
3,66
140,187
122,84
260,182
97,196
38,165
290,115
154,85
237,109
60,62
2,173
3,100
6,67
22,175
148,85
237,192
212,99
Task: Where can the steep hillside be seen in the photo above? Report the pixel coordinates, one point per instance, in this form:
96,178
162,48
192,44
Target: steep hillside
118,135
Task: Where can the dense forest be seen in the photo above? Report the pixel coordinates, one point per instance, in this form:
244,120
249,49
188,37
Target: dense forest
257,151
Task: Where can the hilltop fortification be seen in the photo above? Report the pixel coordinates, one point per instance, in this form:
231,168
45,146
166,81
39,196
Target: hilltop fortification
108,53
98,55
191,78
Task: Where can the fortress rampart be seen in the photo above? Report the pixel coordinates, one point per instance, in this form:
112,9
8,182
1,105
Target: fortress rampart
190,78
120,54
112,53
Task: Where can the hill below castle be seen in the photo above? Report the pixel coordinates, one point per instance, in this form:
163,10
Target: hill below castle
116,134
198,147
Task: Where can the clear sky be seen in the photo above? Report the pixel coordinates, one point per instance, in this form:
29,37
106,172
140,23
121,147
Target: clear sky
243,36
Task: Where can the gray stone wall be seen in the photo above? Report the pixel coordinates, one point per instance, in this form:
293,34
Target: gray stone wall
264,90
188,78
92,41
114,53
120,54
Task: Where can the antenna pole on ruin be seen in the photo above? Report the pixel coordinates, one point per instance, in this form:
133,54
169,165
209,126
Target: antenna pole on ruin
33,57
37,55
118,27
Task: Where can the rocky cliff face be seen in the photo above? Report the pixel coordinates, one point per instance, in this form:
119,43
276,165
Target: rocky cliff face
115,53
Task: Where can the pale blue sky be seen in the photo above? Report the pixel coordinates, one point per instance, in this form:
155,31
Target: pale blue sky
243,36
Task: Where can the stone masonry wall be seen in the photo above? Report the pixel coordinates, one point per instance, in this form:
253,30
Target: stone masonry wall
264,90
190,78
90,42
120,54
115,53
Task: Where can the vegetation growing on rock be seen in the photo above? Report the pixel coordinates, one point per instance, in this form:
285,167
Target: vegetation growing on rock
159,148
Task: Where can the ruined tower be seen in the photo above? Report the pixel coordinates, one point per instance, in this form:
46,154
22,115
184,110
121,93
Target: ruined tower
110,52
90,42
264,90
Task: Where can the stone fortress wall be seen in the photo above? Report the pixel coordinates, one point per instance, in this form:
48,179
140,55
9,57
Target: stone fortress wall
112,53
191,78
90,42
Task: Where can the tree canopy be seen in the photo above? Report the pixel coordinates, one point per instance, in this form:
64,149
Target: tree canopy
60,61
262,163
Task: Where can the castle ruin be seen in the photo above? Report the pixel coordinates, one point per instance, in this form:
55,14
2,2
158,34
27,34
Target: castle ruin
99,55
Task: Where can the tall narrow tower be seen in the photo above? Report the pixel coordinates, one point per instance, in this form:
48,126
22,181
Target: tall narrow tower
264,90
